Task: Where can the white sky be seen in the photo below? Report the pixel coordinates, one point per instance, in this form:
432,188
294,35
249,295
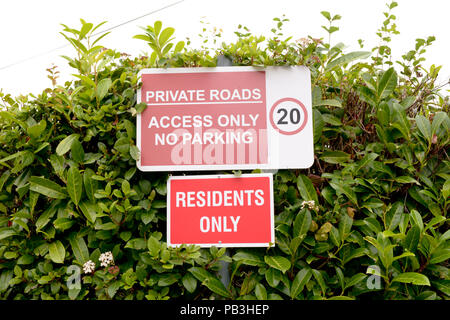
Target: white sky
29,28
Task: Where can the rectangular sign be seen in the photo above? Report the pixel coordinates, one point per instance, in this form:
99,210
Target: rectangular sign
220,210
225,118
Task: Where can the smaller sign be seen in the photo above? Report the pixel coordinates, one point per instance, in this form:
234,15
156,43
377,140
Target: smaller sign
220,210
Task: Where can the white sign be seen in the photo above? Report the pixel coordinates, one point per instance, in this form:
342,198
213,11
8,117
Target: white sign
225,118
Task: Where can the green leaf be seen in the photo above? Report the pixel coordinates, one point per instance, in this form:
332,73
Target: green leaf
249,258
140,107
394,215
13,118
57,163
79,248
404,255
365,161
340,276
416,219
125,187
260,292
168,279
424,127
165,35
199,273
346,58
137,244
63,224
47,188
445,236
74,184
401,121
355,254
278,262
142,37
153,246
318,125
326,14
412,239
134,152
341,298
89,210
387,84
413,278
36,130
112,288
330,119
318,276
102,88
345,189
434,221
300,280
90,185
122,145
357,278
302,223
335,236
440,255
57,251
295,243
273,277
438,118
45,217
178,47
77,151
216,286
328,102
335,157
12,156
306,188
34,196
442,285
6,233
3,178
189,282
345,225
85,29
65,144
25,259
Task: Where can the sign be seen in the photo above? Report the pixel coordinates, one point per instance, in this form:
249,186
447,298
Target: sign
225,118
220,210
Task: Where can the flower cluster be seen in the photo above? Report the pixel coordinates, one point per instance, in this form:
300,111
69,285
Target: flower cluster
106,259
89,267
304,42
311,205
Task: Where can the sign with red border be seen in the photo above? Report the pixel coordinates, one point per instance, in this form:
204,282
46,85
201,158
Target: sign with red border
220,210
225,118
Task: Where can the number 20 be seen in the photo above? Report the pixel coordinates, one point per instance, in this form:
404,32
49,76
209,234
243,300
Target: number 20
294,116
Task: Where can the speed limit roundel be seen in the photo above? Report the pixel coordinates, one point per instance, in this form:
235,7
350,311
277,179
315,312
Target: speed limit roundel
288,116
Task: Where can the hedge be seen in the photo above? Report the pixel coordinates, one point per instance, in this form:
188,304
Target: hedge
367,221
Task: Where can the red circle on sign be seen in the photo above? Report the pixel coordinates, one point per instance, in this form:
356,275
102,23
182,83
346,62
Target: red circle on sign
298,102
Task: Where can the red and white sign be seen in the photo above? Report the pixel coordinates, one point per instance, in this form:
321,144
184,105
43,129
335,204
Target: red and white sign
225,118
220,210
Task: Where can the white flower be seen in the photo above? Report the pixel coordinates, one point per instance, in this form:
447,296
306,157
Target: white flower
89,267
106,259
311,204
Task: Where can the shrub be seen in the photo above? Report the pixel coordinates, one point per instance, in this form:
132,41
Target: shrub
367,220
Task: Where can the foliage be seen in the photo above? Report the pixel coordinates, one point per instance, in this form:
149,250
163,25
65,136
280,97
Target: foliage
374,204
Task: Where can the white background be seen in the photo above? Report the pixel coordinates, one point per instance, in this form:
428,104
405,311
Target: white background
29,28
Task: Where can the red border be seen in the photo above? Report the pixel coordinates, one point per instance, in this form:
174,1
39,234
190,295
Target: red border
301,106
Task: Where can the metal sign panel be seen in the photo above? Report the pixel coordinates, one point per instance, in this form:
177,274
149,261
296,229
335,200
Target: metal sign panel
225,118
220,210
